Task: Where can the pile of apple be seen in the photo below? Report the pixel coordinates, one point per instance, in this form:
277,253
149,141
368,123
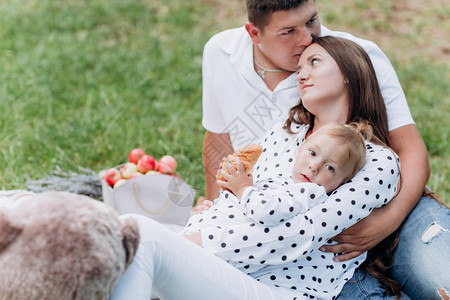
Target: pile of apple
139,163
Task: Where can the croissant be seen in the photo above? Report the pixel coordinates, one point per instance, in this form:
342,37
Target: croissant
248,156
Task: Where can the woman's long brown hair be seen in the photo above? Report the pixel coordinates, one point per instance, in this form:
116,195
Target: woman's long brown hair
365,103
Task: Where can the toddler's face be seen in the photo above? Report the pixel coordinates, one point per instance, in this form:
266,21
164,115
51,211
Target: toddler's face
322,160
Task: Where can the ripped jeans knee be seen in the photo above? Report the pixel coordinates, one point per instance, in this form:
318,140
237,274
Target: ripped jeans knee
433,231
422,258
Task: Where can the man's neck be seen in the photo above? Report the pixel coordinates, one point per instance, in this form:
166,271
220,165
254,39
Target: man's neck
271,79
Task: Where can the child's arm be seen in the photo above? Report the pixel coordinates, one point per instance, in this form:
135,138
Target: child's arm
269,206
237,179
271,203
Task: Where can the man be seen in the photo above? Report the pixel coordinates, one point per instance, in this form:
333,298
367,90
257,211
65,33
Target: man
249,85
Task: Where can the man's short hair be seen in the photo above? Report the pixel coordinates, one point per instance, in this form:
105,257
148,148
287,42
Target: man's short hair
259,11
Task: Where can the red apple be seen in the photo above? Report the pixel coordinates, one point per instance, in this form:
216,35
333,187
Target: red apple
119,182
112,175
167,164
128,169
135,174
135,155
146,163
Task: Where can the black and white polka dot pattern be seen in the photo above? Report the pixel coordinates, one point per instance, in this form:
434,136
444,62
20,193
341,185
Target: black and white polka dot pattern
273,201
286,254
225,211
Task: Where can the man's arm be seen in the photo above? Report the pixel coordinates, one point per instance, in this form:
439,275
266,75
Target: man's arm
415,171
215,147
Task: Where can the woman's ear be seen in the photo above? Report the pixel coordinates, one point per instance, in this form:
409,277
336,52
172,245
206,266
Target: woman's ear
253,32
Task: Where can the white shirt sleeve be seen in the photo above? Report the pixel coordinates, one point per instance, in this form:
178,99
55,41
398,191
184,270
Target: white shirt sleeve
213,119
372,187
396,105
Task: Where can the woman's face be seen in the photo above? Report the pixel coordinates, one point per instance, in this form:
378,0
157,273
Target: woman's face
321,84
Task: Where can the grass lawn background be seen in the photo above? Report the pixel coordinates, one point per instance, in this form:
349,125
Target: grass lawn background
83,82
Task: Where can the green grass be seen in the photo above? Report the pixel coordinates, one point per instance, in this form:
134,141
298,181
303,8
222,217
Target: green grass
84,81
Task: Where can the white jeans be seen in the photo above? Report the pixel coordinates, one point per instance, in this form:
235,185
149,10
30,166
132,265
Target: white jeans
175,268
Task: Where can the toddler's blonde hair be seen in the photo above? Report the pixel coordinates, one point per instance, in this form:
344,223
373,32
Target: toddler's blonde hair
353,137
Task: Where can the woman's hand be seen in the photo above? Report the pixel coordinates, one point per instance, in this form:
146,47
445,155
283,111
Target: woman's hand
363,236
237,179
415,171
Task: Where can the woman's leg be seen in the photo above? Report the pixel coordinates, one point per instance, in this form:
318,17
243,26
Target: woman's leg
175,268
422,258
364,286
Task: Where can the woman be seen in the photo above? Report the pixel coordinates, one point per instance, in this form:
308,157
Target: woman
337,85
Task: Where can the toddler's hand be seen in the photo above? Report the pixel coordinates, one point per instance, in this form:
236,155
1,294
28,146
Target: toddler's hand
237,180
202,206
